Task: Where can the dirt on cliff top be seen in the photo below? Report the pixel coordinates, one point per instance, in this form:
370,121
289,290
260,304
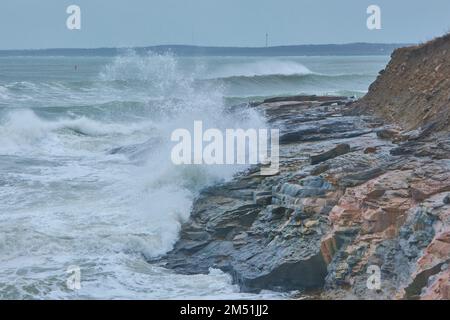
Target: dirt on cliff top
414,89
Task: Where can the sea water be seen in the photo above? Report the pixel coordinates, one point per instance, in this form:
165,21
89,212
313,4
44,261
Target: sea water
85,173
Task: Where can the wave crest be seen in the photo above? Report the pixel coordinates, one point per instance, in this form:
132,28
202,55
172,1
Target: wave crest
261,68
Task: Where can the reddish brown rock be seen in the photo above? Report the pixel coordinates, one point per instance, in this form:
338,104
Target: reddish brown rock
370,150
439,288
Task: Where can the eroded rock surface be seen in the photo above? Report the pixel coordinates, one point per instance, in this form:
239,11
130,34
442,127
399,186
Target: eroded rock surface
414,89
352,192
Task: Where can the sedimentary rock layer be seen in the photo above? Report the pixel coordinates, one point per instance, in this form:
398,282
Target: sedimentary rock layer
355,193
414,89
345,198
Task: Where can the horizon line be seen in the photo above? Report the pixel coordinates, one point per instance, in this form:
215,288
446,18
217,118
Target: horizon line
211,46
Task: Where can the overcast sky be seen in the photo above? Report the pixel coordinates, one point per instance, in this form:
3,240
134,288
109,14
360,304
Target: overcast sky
109,23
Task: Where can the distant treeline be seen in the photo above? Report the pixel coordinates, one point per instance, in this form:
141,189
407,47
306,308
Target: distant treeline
357,49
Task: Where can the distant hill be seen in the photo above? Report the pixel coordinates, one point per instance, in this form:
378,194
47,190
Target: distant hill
357,49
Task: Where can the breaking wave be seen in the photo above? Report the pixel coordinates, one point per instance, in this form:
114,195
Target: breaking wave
95,182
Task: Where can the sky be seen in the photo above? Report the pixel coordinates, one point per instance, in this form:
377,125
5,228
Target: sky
33,24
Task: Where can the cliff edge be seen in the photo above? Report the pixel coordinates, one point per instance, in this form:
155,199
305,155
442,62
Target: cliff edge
358,209
414,89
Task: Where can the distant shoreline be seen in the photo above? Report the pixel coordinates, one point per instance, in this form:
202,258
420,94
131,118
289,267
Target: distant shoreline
351,49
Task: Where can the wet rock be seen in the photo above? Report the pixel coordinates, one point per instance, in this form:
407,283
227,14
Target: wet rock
357,178
407,148
447,199
339,150
370,150
305,98
272,239
387,133
311,223
321,221
323,167
438,288
262,198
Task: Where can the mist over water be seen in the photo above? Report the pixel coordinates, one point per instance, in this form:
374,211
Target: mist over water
85,171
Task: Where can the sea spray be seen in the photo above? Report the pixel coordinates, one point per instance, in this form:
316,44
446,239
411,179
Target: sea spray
85,173
70,198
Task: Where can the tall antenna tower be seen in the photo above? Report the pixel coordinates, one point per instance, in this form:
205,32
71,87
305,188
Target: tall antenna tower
267,39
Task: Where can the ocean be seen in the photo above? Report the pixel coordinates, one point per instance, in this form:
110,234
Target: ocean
85,173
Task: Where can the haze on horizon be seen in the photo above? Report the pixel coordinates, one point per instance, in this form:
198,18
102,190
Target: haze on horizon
30,24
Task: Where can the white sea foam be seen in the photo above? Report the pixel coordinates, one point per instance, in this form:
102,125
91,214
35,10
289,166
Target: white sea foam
260,68
85,171
23,131
72,202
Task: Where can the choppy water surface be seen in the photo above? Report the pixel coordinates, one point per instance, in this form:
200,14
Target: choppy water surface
85,171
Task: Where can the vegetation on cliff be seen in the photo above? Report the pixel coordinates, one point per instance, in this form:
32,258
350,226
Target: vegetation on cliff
414,89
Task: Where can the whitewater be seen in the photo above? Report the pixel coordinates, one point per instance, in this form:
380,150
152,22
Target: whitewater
85,173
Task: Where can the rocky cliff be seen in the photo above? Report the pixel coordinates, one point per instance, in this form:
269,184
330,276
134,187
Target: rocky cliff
414,89
354,194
